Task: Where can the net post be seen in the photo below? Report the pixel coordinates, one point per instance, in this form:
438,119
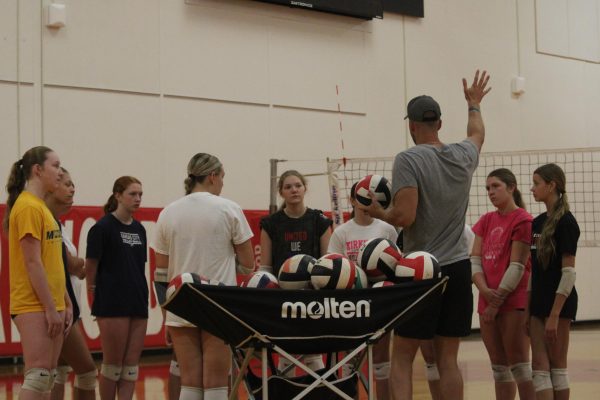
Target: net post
273,185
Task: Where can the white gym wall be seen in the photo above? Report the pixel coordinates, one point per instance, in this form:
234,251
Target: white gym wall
136,87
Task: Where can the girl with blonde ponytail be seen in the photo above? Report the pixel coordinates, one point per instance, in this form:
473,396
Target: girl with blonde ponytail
553,298
206,234
39,304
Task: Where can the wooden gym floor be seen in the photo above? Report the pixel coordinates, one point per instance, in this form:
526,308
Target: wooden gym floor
584,371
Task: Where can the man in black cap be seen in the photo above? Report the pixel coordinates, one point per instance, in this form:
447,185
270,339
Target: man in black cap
430,186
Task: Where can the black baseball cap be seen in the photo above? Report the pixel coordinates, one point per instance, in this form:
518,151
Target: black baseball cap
423,109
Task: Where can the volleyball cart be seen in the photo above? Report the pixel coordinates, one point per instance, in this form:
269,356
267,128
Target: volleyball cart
262,322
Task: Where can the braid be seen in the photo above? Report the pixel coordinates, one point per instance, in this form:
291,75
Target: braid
546,247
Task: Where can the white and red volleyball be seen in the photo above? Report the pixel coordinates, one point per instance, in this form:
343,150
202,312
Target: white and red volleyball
180,280
418,266
295,272
383,284
333,271
260,280
378,258
213,282
377,184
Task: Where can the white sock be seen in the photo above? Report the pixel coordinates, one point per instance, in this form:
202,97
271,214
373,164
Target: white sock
191,393
219,393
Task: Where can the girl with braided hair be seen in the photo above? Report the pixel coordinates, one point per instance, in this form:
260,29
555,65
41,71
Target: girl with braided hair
553,298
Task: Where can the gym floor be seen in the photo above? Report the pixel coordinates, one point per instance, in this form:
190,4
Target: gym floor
584,371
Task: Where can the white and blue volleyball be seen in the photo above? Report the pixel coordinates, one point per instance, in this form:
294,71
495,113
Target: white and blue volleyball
295,272
261,280
333,271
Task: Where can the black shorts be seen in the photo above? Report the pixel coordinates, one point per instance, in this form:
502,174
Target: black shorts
453,319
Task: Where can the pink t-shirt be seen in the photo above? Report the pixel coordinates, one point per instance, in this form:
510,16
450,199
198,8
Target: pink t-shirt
498,232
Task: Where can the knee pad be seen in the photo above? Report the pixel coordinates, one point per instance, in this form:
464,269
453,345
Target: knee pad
431,372
218,393
38,380
541,380
381,371
560,378
521,372
314,361
191,393
86,381
62,374
502,373
174,368
111,372
130,373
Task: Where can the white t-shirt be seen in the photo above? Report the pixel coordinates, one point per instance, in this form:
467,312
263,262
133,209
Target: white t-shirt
198,232
349,237
75,281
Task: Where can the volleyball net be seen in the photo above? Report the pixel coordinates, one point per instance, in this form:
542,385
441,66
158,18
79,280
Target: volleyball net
581,166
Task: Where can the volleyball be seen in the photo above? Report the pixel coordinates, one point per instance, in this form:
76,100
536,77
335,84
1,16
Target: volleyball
213,282
377,184
383,284
361,281
295,272
261,280
180,280
378,258
418,266
333,271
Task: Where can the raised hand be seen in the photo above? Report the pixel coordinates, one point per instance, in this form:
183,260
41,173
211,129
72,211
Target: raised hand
477,91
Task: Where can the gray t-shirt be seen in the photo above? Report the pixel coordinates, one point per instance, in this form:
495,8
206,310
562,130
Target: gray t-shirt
442,176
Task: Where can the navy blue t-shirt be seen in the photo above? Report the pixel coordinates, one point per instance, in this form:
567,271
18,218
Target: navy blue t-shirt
545,279
121,286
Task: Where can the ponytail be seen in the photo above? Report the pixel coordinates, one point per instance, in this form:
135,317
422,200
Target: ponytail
14,187
518,198
20,172
111,204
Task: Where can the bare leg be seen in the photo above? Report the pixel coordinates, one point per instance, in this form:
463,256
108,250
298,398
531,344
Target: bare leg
381,355
428,352
133,351
540,360
76,354
451,382
39,349
403,355
492,339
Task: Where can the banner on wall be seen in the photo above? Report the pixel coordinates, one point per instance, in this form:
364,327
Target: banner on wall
77,224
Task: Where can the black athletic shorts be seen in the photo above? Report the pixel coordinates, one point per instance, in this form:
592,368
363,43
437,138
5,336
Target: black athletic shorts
455,313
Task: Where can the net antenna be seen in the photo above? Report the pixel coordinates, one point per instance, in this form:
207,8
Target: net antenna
581,166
